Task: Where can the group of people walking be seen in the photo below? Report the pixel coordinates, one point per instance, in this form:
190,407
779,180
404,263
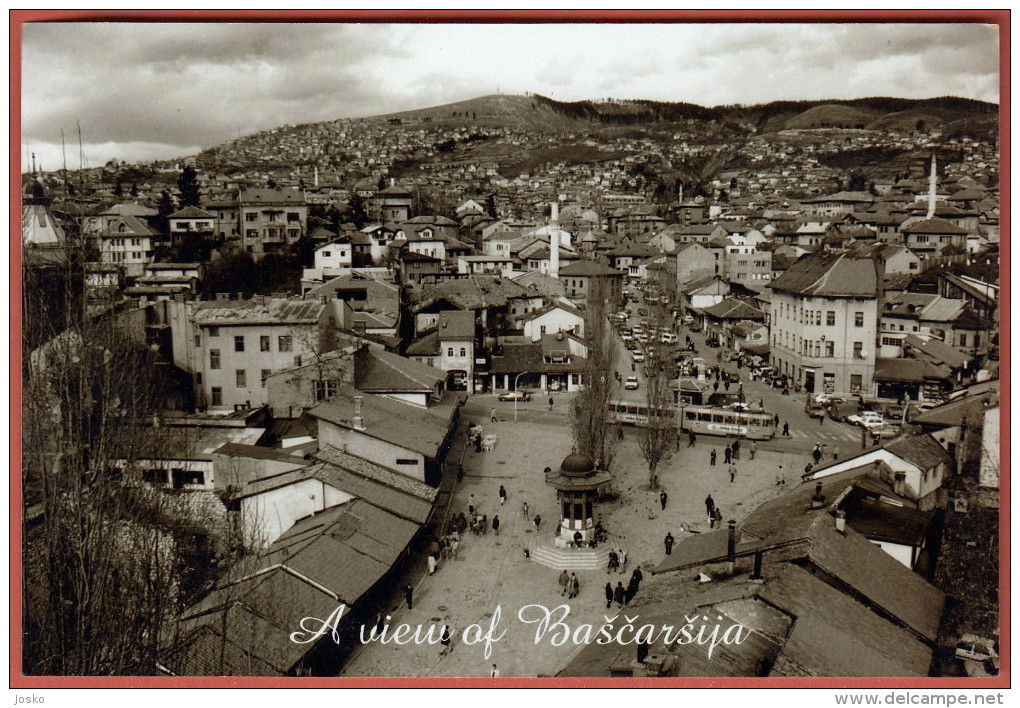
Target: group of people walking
620,595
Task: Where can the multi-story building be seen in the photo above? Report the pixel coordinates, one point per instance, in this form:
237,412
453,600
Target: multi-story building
271,220
748,266
238,343
824,314
126,241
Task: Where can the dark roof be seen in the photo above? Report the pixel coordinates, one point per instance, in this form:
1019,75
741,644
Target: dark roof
733,309
250,312
829,275
921,450
257,452
516,358
456,324
400,424
271,196
938,352
934,225
473,293
909,370
426,345
953,413
588,269
376,370
191,212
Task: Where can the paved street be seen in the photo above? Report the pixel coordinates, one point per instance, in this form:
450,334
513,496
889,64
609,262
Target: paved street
491,570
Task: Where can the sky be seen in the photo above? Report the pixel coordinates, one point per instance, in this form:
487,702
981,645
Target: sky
147,91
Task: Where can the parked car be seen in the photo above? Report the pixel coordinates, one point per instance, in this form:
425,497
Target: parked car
894,412
977,648
866,419
515,396
631,384
843,411
637,356
694,327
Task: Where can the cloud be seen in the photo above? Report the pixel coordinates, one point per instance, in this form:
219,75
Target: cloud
187,84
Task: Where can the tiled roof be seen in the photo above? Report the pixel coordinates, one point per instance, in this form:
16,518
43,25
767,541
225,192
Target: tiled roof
473,293
921,450
934,225
271,196
733,309
829,275
938,352
582,269
456,324
909,370
191,212
249,312
377,370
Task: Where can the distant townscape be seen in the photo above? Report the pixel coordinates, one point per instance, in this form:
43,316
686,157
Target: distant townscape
736,363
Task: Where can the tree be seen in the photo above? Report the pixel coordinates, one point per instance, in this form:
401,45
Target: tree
102,571
187,183
118,190
659,434
355,212
591,404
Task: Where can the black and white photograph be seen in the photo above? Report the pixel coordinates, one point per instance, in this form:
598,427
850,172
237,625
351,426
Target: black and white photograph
520,351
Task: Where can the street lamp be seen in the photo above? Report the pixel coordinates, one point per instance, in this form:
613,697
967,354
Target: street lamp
516,379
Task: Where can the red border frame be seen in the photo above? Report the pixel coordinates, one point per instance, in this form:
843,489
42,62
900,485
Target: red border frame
1000,18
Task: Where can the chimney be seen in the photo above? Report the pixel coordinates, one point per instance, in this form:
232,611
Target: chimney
900,482
554,242
731,547
359,422
931,188
756,575
841,521
818,499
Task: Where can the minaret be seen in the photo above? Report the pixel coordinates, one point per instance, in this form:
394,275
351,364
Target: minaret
931,188
554,242
316,178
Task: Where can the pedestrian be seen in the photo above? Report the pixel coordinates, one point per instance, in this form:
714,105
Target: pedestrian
495,524
575,587
609,595
633,367
691,439
709,505
623,560
718,517
711,457
733,473
478,444
786,430
775,420
662,499
524,509
619,594
817,453
563,580
677,449
637,575
668,541
728,454
715,386
460,472
454,545
835,453
471,504
409,596
495,672
614,561
736,449
492,416
445,641
538,522
550,402
808,467
753,449
821,420
432,564
502,495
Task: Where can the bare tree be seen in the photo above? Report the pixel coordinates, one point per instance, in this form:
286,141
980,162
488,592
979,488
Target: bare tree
591,404
657,437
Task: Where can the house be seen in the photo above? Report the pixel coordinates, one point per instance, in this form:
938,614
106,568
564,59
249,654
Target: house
824,320
126,242
271,220
930,237
900,259
722,317
580,278
697,294
404,438
165,280
450,347
838,203
485,265
43,239
694,260
392,204
558,361
915,465
555,317
190,227
237,344
334,257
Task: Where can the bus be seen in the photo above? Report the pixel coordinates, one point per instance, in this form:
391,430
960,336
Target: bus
700,420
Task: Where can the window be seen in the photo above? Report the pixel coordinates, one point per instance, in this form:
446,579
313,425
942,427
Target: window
198,378
541,330
198,340
830,318
858,319
463,351
250,216
913,266
240,378
326,389
217,396
286,342
293,216
890,342
449,351
963,340
326,254
239,343
830,349
214,358
856,381
297,360
263,375
264,343
858,350
252,234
